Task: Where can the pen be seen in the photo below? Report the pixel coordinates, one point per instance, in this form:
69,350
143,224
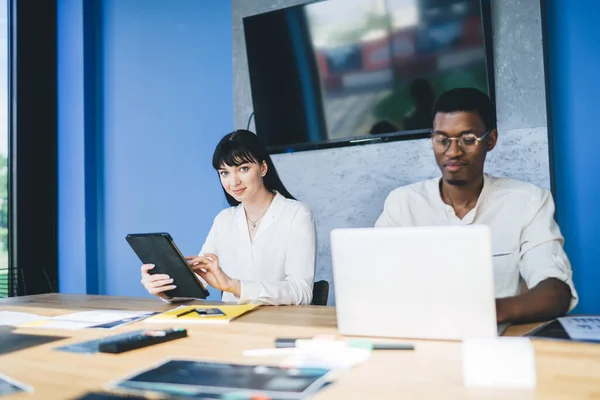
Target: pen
181,314
360,343
393,346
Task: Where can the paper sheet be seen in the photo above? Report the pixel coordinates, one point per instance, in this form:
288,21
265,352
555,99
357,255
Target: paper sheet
320,353
105,319
13,318
582,328
337,359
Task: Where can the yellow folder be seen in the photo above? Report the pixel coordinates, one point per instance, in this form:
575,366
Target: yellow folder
187,314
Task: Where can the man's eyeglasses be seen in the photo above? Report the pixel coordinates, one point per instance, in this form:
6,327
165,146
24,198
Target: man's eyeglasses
467,142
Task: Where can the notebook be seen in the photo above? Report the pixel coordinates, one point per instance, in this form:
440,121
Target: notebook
206,314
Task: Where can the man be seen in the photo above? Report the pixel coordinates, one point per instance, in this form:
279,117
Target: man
526,241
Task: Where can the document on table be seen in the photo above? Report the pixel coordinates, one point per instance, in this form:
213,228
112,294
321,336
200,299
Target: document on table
582,327
104,319
13,318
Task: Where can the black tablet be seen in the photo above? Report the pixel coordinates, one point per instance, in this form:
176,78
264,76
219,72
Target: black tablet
160,250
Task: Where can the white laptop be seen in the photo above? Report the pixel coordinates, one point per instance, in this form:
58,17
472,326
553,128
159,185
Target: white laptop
414,282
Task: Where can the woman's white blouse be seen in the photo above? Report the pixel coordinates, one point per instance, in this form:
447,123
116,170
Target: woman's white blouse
278,267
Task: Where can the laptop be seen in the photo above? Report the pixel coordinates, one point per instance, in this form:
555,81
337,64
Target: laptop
414,282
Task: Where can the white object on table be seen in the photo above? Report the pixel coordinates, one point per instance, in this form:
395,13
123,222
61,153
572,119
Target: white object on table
329,354
504,362
13,318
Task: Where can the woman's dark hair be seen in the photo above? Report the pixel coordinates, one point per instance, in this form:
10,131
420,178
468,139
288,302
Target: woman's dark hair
242,146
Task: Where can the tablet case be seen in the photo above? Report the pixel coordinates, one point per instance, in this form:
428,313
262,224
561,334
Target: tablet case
160,250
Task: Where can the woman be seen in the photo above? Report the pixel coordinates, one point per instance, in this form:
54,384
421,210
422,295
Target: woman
262,248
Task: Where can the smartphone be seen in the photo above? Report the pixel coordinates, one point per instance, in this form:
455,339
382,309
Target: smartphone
209,312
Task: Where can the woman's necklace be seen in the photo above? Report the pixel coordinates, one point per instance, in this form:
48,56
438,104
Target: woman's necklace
255,222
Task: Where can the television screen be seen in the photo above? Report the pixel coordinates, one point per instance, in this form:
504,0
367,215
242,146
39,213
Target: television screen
341,72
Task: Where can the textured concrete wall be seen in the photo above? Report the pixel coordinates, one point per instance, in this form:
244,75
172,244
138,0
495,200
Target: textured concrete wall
518,64
346,187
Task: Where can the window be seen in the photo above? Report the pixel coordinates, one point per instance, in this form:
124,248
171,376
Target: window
3,149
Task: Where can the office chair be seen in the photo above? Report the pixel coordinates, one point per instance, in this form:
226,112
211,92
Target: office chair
320,293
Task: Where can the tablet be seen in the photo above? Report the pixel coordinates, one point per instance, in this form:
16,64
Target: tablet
584,328
207,379
160,250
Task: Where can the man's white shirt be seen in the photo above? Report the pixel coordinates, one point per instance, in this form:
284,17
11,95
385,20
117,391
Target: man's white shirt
527,244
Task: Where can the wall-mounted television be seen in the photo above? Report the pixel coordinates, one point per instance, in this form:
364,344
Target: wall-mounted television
343,72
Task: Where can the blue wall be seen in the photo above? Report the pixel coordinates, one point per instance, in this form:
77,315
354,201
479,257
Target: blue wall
163,101
71,204
574,55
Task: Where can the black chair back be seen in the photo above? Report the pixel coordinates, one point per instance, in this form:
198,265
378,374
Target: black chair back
320,293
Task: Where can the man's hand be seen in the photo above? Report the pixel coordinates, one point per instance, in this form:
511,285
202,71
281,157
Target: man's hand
549,299
207,266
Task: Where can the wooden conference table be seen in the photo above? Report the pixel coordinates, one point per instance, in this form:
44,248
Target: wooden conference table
565,370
